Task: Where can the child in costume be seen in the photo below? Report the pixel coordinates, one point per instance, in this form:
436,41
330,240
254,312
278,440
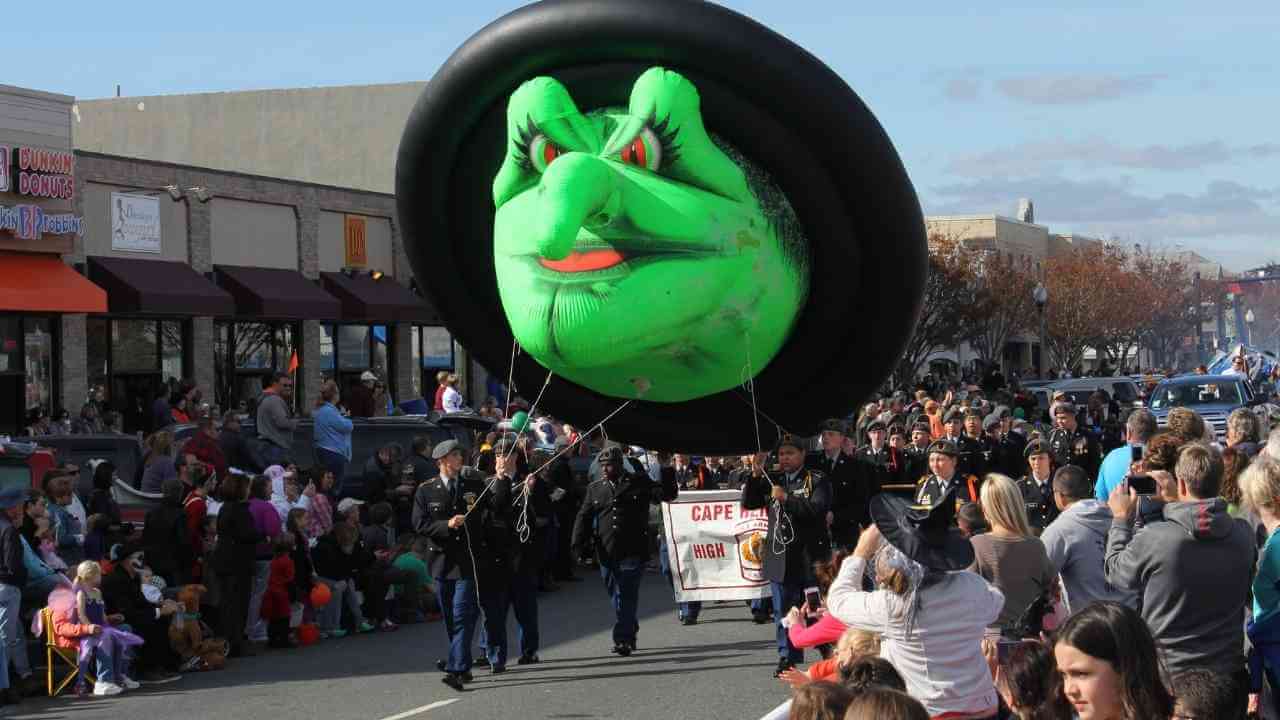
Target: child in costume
80,614
276,606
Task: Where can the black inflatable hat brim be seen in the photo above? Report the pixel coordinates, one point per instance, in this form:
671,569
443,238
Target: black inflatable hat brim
771,99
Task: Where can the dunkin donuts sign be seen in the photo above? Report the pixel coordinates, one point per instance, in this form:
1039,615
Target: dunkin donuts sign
38,173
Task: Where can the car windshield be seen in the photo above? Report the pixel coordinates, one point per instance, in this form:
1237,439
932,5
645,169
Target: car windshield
1192,394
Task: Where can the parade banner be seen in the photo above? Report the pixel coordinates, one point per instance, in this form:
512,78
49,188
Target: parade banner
716,547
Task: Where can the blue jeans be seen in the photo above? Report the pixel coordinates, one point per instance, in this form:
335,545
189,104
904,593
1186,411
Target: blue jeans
110,669
256,628
461,609
11,645
686,609
785,597
342,594
336,464
622,582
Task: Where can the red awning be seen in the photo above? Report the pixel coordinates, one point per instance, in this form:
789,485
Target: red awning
32,282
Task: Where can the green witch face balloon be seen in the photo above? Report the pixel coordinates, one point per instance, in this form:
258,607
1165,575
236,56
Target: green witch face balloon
635,255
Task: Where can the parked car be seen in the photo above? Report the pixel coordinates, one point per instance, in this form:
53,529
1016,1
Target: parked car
1213,397
23,465
1122,389
123,451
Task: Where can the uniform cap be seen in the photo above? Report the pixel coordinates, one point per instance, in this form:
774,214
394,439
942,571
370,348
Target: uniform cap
944,447
611,455
921,427
1036,447
835,425
444,448
953,414
789,440
876,425
991,421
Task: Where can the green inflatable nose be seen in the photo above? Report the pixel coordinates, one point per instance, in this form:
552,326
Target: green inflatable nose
576,191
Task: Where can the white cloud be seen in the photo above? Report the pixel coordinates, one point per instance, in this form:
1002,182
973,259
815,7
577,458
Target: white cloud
1052,156
1074,89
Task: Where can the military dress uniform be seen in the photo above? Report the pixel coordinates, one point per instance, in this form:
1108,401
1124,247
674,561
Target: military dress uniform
1037,495
931,489
616,514
450,553
975,455
1007,458
1076,447
849,496
522,539
796,539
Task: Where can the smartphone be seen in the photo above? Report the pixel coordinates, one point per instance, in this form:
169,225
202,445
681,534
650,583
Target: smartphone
812,598
1142,484
1137,454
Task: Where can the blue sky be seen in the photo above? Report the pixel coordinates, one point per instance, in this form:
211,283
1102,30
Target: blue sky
1156,123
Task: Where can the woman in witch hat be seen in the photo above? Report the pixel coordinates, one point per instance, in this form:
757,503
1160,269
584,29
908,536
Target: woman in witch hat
931,613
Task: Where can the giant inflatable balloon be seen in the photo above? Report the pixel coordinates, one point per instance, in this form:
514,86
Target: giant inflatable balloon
670,206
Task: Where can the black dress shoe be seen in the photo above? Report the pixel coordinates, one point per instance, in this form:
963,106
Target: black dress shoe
784,664
761,618
453,680
497,669
686,620
467,677
624,649
528,659
481,661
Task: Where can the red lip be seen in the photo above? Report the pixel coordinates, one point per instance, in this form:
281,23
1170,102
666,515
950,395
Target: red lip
584,261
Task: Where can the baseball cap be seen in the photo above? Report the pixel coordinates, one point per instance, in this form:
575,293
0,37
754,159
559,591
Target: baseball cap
347,504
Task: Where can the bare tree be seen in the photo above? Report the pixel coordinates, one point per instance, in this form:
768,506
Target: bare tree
1003,304
949,299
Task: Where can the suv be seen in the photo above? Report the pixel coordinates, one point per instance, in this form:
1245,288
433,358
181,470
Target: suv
1123,390
1213,397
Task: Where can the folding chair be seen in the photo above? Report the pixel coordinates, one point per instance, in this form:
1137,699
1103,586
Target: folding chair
68,656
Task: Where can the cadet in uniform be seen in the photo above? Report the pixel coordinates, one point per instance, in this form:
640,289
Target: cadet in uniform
849,491
751,465
455,513
1037,485
878,465
1071,444
917,453
1010,446
617,505
975,448
522,537
945,477
798,501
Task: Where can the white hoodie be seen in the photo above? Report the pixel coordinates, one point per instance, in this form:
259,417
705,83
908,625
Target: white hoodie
279,499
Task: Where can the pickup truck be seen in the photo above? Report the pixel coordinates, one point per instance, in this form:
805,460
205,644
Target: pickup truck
1213,397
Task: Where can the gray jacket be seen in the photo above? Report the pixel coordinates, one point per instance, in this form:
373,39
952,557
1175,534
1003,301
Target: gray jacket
1076,542
1193,572
274,423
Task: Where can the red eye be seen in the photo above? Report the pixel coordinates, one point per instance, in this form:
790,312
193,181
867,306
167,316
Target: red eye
635,153
549,152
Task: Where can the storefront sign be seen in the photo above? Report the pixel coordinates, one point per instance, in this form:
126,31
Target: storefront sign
357,250
716,547
43,173
135,223
30,222
4,168
437,347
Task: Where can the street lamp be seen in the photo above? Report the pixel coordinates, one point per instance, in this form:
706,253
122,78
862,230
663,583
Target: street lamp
1041,296
1248,326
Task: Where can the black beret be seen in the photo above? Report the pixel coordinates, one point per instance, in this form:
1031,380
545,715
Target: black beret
944,447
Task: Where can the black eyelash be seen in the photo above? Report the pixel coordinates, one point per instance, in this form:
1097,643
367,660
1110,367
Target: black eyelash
667,137
525,135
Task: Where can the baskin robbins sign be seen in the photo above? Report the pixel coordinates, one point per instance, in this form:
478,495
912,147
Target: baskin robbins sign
31,222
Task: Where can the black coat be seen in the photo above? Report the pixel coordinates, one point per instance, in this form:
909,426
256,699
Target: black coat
1041,509
975,454
917,464
378,479
122,594
450,550
850,492
238,539
166,540
235,450
620,513
526,551
1006,457
806,506
875,470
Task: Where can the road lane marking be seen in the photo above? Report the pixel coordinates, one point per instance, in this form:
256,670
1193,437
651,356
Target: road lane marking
420,710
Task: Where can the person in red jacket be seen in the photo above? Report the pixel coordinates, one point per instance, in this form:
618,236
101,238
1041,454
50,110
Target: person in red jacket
276,605
205,447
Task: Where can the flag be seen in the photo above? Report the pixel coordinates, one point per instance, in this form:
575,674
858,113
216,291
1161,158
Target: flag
293,363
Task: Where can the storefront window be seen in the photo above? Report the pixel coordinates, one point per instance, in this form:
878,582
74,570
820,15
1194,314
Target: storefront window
38,351
415,356
10,344
133,346
326,351
260,349
28,358
353,347
136,360
433,350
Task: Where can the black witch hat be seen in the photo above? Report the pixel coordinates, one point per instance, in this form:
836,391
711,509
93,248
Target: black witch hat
926,534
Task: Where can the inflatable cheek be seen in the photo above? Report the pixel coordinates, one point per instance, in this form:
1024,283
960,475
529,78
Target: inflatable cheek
706,225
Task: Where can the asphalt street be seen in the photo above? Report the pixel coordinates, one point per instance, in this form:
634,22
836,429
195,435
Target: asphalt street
720,668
